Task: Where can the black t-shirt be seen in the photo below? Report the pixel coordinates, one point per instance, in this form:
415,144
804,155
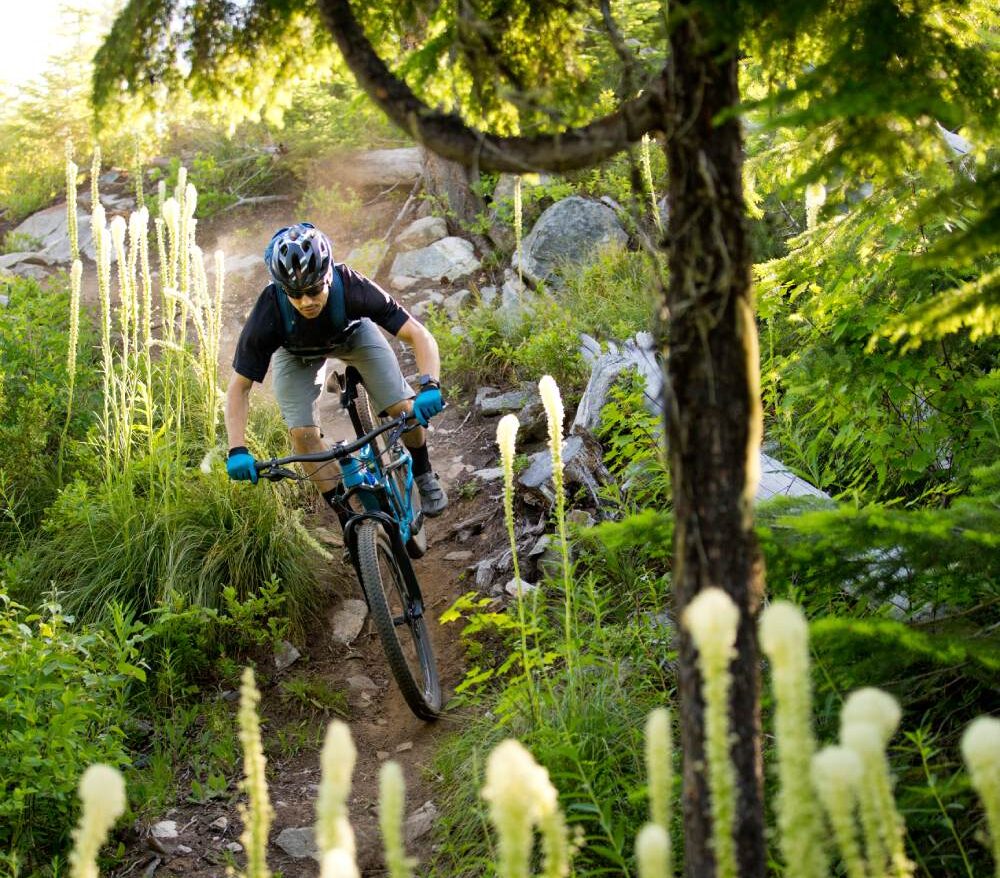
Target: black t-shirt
264,330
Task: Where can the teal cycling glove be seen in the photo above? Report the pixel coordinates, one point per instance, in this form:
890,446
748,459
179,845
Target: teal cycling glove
427,404
240,465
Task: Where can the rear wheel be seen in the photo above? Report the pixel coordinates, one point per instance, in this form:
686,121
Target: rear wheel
405,638
416,545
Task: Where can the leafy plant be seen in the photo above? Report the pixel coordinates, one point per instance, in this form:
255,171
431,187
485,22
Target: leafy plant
34,335
633,441
19,242
63,704
855,415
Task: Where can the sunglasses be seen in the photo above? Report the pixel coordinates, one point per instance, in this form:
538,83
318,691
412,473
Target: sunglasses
311,292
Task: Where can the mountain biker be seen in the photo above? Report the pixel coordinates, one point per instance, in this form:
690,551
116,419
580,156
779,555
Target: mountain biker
315,309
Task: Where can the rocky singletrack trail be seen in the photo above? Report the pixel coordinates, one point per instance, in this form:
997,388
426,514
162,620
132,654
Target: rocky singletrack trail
200,839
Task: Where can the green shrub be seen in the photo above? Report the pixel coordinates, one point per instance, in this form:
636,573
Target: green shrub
225,169
34,335
612,297
852,413
63,699
634,451
493,350
938,559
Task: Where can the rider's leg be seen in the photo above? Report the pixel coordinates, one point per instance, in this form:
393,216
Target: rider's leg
372,356
298,383
309,440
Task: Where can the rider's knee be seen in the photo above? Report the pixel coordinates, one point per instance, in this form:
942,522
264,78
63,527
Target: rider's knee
397,408
306,440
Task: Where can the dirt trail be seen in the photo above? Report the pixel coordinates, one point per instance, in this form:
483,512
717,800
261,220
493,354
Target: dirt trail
382,725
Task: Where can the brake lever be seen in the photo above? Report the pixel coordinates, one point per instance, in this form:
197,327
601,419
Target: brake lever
277,473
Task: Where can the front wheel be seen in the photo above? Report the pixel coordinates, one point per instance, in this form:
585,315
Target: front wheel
405,638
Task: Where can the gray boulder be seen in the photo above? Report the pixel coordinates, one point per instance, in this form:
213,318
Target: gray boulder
422,233
447,260
454,303
9,260
298,842
420,309
570,232
493,403
27,269
381,167
515,302
348,621
51,228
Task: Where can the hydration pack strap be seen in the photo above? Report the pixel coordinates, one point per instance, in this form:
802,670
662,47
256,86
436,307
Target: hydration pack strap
338,308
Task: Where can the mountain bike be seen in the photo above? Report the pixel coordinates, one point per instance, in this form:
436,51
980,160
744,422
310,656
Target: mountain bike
377,504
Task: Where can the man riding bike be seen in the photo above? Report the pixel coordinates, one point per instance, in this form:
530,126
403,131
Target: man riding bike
316,309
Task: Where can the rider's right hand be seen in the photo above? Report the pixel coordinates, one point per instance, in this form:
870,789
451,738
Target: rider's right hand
241,465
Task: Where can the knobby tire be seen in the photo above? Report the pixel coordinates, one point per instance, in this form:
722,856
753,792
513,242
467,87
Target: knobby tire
407,646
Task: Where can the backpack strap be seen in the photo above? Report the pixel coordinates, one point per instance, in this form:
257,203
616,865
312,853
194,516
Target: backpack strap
339,307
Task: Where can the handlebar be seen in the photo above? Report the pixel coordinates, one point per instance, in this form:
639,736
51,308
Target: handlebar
274,469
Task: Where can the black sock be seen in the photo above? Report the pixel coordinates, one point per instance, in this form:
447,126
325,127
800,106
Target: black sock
421,460
328,496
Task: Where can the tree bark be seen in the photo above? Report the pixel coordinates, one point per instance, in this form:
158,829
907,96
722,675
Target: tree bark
451,185
713,419
712,397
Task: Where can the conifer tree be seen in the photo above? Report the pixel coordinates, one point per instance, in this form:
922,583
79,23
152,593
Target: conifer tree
520,86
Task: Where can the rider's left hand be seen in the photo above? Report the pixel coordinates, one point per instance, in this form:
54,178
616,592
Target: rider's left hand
428,403
241,466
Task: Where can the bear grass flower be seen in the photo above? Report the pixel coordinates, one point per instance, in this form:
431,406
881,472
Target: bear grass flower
391,803
520,796
869,718
333,828
865,739
337,863
102,797
981,752
873,706
659,767
257,813
712,620
836,773
784,638
652,851
552,402
507,442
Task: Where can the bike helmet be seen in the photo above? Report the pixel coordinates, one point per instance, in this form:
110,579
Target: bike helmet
299,257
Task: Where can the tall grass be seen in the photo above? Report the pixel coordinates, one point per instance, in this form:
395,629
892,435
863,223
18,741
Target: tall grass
522,798
163,530
154,525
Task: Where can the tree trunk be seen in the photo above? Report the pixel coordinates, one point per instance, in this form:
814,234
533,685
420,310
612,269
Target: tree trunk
713,418
450,184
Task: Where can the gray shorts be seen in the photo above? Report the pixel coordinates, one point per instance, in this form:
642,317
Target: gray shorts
299,381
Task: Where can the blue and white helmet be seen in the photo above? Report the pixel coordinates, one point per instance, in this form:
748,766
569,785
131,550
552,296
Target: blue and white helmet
299,257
